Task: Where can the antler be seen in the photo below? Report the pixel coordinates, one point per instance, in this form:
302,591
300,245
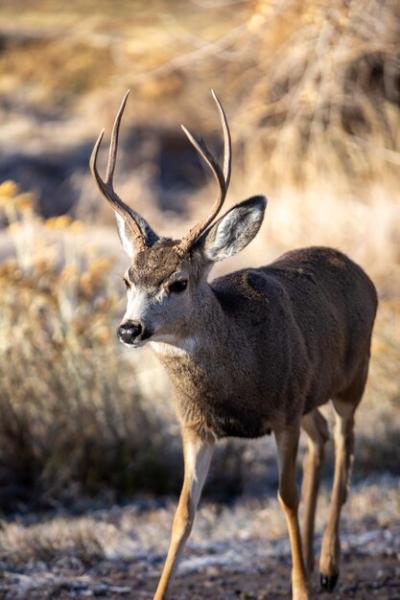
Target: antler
221,175
106,186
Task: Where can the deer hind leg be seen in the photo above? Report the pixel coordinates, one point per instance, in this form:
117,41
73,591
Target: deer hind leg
345,406
197,457
287,442
316,428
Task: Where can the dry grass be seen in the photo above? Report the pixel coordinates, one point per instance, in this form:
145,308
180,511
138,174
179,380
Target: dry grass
325,101
69,415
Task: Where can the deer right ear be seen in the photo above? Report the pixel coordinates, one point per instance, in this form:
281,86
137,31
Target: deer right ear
232,232
126,237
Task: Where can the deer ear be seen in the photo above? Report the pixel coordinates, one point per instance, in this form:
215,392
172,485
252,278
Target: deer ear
232,232
126,237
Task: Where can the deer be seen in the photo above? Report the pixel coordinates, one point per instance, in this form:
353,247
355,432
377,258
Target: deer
254,352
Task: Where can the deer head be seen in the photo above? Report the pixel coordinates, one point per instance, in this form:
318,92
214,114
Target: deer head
167,278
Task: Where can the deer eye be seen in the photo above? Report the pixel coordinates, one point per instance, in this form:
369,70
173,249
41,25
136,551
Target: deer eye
127,283
178,286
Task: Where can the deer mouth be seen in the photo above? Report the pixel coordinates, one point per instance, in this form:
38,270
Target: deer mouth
131,345
147,333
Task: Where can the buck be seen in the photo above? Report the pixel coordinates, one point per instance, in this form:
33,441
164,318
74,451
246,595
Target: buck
253,352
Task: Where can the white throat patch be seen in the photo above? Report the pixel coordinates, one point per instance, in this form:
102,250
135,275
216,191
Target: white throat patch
169,345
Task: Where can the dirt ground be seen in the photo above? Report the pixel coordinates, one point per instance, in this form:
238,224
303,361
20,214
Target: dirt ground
361,578
236,551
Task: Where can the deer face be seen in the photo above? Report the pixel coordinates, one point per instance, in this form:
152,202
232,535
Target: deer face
164,288
166,277
158,283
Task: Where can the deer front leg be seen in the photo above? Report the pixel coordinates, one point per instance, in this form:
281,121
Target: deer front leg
197,455
287,442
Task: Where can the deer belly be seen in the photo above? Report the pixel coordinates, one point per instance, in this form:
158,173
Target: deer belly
229,423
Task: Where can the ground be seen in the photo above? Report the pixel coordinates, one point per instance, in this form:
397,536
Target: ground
237,551
363,578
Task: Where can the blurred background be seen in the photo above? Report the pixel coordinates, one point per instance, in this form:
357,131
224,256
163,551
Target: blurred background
312,91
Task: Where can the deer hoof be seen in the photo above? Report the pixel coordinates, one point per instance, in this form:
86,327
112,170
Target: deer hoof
328,582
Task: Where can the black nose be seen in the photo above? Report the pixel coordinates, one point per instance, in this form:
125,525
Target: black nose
129,331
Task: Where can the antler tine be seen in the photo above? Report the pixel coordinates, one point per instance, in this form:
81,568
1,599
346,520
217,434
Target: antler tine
106,187
207,157
112,154
227,164
221,175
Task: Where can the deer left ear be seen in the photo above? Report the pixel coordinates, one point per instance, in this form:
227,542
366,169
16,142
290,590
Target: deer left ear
232,232
125,234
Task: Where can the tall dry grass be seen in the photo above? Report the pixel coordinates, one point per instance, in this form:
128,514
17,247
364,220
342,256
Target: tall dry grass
322,97
70,416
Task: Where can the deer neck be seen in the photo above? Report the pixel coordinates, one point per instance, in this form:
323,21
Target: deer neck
199,366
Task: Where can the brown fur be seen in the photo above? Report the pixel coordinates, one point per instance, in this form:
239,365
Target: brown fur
154,265
270,345
277,342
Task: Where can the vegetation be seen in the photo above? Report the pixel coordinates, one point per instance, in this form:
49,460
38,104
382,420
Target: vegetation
68,413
